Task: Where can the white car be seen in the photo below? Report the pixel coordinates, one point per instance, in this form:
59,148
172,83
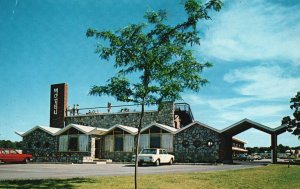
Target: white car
154,156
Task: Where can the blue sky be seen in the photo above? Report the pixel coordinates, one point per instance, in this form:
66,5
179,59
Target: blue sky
254,46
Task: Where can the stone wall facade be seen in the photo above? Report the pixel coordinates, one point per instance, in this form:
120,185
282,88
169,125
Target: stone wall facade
44,148
73,157
42,145
197,144
106,120
118,156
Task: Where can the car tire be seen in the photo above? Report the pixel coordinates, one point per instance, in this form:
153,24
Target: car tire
26,160
157,162
171,161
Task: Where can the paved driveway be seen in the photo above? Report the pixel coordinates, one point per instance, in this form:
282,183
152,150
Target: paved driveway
42,171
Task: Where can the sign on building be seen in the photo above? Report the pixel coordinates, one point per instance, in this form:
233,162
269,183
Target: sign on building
58,104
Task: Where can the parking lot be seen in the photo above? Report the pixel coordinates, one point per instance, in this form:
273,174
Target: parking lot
43,171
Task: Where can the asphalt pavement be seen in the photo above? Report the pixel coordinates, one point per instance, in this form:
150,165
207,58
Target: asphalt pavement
43,171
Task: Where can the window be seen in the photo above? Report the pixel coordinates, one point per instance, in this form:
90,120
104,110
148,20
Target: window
63,143
119,143
185,144
145,132
128,143
148,151
108,142
73,143
155,130
118,131
83,143
155,141
210,143
167,142
144,141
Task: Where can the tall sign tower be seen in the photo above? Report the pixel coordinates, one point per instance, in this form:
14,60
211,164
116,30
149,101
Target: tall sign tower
58,105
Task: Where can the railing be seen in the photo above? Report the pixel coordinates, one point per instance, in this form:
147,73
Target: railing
75,111
184,107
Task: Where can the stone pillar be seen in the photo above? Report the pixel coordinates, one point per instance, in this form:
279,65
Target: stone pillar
58,105
274,147
226,149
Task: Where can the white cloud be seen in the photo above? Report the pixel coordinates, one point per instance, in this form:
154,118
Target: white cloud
221,104
264,82
194,99
217,104
221,113
254,30
253,112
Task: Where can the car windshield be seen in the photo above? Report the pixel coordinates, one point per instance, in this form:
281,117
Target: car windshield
148,151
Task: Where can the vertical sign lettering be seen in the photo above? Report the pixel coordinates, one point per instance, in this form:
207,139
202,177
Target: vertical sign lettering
55,98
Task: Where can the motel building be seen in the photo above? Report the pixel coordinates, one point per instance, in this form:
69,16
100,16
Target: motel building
88,135
238,147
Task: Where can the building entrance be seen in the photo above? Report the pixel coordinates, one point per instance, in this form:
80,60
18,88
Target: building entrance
98,148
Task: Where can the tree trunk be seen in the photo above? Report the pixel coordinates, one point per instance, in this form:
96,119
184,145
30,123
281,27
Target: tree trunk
137,144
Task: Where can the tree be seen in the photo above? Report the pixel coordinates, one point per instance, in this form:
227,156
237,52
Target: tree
293,124
159,54
10,144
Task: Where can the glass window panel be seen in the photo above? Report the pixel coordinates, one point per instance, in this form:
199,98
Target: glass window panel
119,143
118,131
73,144
145,132
155,130
154,141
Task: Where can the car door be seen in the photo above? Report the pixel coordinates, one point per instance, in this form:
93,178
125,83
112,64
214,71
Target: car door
167,156
163,156
6,157
14,156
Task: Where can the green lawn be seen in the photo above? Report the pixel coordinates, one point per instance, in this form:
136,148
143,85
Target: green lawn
272,176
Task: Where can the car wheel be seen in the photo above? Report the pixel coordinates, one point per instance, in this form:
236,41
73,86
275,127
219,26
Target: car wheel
26,160
157,163
171,161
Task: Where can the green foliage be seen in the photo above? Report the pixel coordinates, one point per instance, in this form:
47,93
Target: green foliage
10,144
293,124
158,52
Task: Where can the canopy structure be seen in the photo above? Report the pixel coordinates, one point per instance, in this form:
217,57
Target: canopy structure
244,125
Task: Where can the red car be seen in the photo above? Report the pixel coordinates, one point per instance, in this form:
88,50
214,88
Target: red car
8,155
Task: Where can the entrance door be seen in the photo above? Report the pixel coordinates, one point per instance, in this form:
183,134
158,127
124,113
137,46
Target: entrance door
98,148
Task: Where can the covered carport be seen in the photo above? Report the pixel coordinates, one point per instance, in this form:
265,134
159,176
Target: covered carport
241,126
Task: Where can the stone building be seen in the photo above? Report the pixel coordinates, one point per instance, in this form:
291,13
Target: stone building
41,142
197,142
78,136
